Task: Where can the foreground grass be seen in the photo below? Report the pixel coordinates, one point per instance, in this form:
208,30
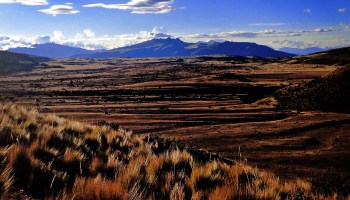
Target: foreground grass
47,157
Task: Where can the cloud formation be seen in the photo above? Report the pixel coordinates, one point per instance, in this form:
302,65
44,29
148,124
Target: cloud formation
261,34
140,6
27,2
57,36
42,39
308,10
60,10
345,26
87,33
7,42
87,39
331,43
342,10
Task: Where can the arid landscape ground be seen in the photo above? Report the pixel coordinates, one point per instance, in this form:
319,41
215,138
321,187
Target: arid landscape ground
222,104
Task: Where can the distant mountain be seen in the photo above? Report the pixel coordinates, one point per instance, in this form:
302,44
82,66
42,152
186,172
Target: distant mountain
239,49
331,57
175,47
14,62
209,42
305,51
51,50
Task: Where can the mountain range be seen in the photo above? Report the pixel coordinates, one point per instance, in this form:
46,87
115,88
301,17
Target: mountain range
51,50
157,48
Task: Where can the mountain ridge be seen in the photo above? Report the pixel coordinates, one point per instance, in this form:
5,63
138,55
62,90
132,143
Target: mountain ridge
51,50
303,51
338,56
175,47
156,48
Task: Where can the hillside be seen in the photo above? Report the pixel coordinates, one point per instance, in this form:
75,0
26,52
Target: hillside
339,56
14,62
330,93
45,156
51,50
303,51
175,47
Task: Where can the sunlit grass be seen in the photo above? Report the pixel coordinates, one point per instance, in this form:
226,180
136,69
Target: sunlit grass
44,156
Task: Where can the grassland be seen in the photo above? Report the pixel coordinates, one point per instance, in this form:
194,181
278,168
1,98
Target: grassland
44,156
220,104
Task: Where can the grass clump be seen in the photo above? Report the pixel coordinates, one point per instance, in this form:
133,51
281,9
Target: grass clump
46,157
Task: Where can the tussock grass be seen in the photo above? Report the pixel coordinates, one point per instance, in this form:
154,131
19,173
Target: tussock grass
47,157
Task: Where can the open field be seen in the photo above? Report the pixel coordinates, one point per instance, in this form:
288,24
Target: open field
216,103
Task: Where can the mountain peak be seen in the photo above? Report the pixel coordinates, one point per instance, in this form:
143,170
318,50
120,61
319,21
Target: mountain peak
166,40
157,47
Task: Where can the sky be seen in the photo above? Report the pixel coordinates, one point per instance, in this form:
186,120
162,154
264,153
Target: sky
108,24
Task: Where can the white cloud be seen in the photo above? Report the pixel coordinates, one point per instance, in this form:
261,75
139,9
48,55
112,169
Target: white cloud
60,10
291,44
57,37
323,30
139,6
330,43
87,39
42,39
87,33
345,26
159,32
259,34
7,42
308,10
27,2
342,10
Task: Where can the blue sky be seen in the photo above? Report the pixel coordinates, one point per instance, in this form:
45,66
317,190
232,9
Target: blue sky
112,23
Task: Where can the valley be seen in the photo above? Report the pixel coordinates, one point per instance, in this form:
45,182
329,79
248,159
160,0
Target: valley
222,104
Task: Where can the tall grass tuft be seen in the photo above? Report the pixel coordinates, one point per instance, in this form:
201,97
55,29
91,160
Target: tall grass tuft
47,157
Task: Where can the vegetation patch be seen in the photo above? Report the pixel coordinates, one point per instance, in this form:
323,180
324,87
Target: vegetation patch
330,93
73,160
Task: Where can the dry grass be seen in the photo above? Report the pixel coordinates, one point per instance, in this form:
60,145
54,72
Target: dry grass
43,156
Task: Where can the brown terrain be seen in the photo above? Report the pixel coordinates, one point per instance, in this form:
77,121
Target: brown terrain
221,104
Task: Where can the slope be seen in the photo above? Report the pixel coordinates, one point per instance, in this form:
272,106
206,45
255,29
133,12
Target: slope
339,56
330,93
14,62
43,156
